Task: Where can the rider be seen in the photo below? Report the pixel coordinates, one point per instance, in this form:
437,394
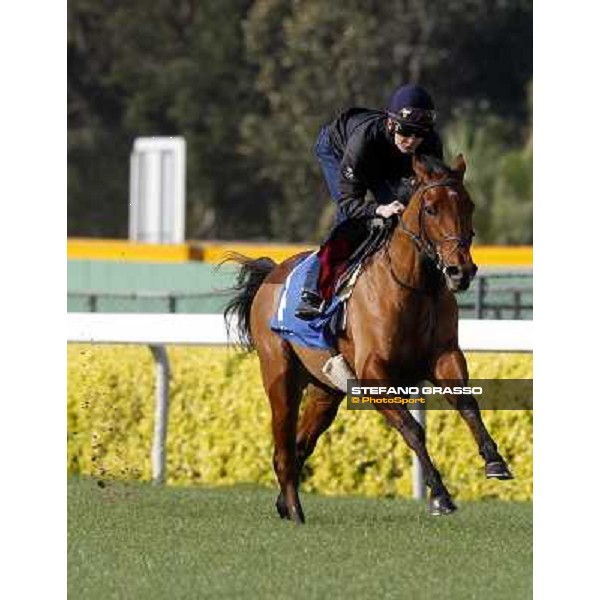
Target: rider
365,149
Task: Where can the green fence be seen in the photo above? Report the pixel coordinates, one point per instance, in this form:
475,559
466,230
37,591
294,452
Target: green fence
109,286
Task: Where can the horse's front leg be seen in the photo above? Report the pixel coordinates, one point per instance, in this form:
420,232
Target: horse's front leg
450,370
440,500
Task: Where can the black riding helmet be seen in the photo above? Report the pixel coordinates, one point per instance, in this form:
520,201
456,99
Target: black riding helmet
412,109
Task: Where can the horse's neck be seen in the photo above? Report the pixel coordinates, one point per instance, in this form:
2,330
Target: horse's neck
404,255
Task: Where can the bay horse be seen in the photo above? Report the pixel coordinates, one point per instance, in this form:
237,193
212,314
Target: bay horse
402,326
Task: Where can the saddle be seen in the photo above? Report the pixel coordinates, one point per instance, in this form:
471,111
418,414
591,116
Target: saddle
348,246
342,262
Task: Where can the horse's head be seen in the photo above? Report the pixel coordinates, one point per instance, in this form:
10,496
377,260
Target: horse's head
439,215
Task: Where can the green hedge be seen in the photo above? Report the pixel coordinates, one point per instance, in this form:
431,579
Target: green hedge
219,427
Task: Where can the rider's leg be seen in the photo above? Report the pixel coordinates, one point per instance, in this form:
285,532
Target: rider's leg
311,302
330,164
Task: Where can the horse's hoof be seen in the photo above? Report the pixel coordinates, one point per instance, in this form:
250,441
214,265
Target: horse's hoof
441,505
498,470
281,507
297,515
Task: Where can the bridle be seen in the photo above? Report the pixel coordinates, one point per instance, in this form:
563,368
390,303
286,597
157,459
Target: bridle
427,247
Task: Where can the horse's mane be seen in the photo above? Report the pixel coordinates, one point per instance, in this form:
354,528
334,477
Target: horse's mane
435,165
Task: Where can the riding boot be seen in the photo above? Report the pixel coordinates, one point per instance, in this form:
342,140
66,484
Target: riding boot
311,304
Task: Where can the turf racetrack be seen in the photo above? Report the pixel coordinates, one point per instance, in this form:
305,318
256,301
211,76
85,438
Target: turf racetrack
133,541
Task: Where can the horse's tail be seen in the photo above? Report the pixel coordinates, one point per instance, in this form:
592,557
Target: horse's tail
249,278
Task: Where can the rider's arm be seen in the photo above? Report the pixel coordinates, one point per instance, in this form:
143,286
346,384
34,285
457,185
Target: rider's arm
353,187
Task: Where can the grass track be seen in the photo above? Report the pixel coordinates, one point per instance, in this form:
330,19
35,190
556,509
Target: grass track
133,540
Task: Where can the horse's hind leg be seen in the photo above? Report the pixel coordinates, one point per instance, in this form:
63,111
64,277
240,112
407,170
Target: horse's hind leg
281,381
318,414
320,411
451,369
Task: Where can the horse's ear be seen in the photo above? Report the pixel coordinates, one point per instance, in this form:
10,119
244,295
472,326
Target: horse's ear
459,166
420,169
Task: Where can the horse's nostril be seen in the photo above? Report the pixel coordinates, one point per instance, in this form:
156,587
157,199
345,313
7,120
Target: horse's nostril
453,271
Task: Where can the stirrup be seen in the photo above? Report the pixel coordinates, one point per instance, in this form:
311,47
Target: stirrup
311,297
310,307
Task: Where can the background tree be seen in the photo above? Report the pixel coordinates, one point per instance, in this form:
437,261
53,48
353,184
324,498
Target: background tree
250,82
499,174
314,59
160,68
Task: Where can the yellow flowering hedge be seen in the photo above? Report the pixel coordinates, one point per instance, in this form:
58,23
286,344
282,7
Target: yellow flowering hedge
219,427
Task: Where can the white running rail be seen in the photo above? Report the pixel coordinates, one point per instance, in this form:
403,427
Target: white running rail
160,330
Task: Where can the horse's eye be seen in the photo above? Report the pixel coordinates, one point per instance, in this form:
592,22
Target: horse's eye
430,210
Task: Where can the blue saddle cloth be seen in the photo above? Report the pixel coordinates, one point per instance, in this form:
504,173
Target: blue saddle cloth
316,333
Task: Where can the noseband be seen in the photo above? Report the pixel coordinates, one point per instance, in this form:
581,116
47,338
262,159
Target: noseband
427,247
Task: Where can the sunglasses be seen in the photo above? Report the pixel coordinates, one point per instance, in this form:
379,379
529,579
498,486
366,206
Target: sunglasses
408,131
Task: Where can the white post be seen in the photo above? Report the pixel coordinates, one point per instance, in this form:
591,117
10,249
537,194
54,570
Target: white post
419,488
157,190
161,414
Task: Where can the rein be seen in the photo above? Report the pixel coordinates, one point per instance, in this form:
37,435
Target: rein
424,245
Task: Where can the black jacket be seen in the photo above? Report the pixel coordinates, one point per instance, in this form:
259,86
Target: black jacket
370,160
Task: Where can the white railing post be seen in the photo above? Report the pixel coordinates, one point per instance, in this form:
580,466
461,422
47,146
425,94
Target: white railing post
161,414
418,481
